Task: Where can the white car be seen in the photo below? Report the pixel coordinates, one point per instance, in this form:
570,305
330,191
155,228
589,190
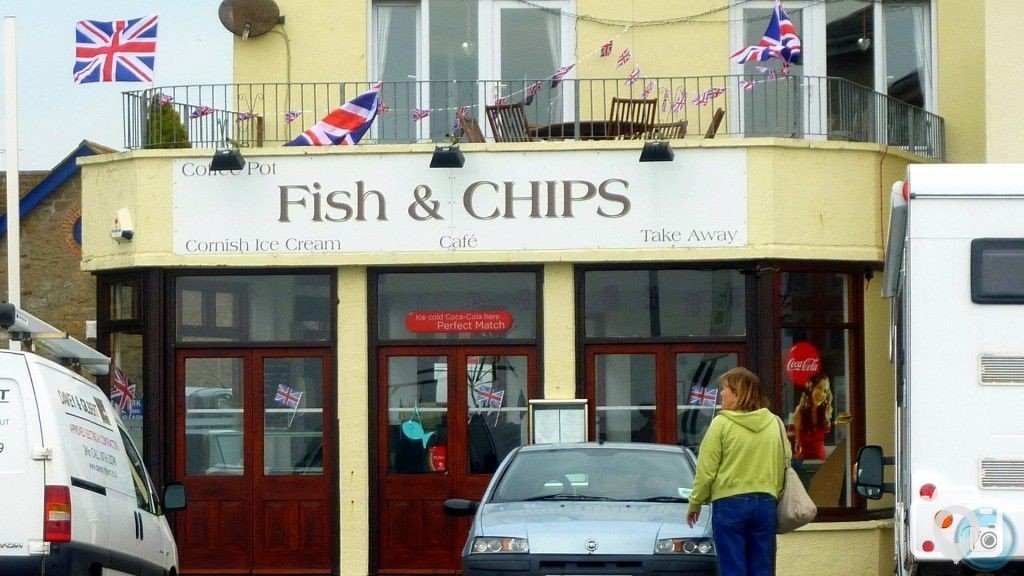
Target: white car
595,509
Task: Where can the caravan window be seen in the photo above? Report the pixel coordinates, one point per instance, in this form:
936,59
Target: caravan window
997,265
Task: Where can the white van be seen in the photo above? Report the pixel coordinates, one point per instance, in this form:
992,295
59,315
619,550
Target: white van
75,498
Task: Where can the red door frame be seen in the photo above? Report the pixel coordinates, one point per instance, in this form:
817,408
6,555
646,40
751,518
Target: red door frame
296,513
414,535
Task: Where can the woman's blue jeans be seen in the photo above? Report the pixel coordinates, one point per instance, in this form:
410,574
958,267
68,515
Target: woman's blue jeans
744,527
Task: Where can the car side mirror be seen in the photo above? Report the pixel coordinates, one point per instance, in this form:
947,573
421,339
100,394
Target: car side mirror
870,478
460,506
174,496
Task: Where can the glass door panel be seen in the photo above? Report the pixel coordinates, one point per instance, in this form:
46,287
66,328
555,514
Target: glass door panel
417,419
214,416
625,390
496,402
293,416
697,398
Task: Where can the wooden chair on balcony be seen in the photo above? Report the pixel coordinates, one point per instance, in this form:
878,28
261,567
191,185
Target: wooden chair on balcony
631,118
670,130
716,121
508,122
471,130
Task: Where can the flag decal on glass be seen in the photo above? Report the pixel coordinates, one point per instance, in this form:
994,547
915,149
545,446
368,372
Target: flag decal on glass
116,51
122,392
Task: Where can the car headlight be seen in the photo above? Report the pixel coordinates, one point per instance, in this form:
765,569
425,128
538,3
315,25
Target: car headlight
497,545
684,546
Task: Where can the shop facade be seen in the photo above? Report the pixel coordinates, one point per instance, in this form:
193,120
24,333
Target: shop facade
331,344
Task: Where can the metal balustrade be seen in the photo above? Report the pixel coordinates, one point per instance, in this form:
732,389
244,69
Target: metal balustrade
271,114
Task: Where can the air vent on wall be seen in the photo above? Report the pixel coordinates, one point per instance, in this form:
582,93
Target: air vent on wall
1000,370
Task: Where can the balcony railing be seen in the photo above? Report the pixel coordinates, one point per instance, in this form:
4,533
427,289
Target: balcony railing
271,114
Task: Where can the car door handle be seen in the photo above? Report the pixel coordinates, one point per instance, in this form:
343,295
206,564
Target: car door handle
139,532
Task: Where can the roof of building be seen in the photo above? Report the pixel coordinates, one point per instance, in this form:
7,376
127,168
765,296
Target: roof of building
60,174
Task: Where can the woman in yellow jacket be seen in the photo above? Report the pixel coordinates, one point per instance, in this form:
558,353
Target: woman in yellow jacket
740,472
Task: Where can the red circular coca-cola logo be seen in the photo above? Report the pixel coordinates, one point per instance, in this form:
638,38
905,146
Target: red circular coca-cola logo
802,362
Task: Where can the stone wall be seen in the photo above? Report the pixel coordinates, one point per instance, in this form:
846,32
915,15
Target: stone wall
53,287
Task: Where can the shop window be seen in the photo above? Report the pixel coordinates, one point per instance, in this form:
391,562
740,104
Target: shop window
462,305
251,308
817,340
664,303
127,383
123,299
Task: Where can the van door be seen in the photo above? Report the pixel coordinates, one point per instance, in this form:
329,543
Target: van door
153,535
19,473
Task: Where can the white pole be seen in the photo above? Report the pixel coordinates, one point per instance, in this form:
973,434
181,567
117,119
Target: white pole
12,168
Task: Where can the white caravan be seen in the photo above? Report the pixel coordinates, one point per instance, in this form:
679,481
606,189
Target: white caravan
75,498
954,267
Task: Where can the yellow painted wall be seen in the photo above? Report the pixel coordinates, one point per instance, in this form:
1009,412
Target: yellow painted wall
961,77
559,374
1004,120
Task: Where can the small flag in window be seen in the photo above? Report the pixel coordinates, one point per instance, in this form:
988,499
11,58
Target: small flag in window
703,396
287,396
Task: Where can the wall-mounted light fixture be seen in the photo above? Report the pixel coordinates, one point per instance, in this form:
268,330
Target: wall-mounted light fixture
658,151
227,159
447,157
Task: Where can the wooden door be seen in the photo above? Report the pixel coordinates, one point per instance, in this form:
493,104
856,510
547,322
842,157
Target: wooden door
446,416
255,446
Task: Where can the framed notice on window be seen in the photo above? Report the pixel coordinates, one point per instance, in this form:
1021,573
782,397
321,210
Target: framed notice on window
553,421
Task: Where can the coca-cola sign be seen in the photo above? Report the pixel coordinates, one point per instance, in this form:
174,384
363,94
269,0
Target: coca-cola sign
802,362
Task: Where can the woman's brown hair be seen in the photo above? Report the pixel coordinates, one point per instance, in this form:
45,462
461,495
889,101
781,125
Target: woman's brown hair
746,386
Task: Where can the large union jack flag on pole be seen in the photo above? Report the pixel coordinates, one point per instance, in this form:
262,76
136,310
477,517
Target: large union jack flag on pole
346,125
117,51
779,41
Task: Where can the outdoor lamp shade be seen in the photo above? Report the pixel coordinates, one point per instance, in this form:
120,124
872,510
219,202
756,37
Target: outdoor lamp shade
447,157
227,159
657,152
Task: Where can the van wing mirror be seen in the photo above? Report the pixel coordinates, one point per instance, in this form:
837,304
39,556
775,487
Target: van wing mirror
174,496
870,478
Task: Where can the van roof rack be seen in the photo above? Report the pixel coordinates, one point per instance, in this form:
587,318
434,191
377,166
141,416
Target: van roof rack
24,327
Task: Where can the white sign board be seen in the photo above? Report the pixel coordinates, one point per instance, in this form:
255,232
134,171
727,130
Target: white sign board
554,421
544,200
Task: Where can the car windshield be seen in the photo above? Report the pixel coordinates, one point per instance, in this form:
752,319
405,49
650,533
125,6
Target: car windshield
602,473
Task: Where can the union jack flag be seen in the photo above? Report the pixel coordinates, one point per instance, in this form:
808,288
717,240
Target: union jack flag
345,125
625,57
462,111
703,396
383,108
116,51
489,397
633,76
560,74
706,96
291,115
243,116
287,396
122,391
769,73
680,102
749,84
606,48
200,112
779,41
420,113
665,95
531,92
165,99
648,89
501,101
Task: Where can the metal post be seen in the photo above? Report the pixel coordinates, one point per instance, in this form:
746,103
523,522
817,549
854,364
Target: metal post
12,168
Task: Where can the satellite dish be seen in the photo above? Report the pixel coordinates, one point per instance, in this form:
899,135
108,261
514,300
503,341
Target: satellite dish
249,18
